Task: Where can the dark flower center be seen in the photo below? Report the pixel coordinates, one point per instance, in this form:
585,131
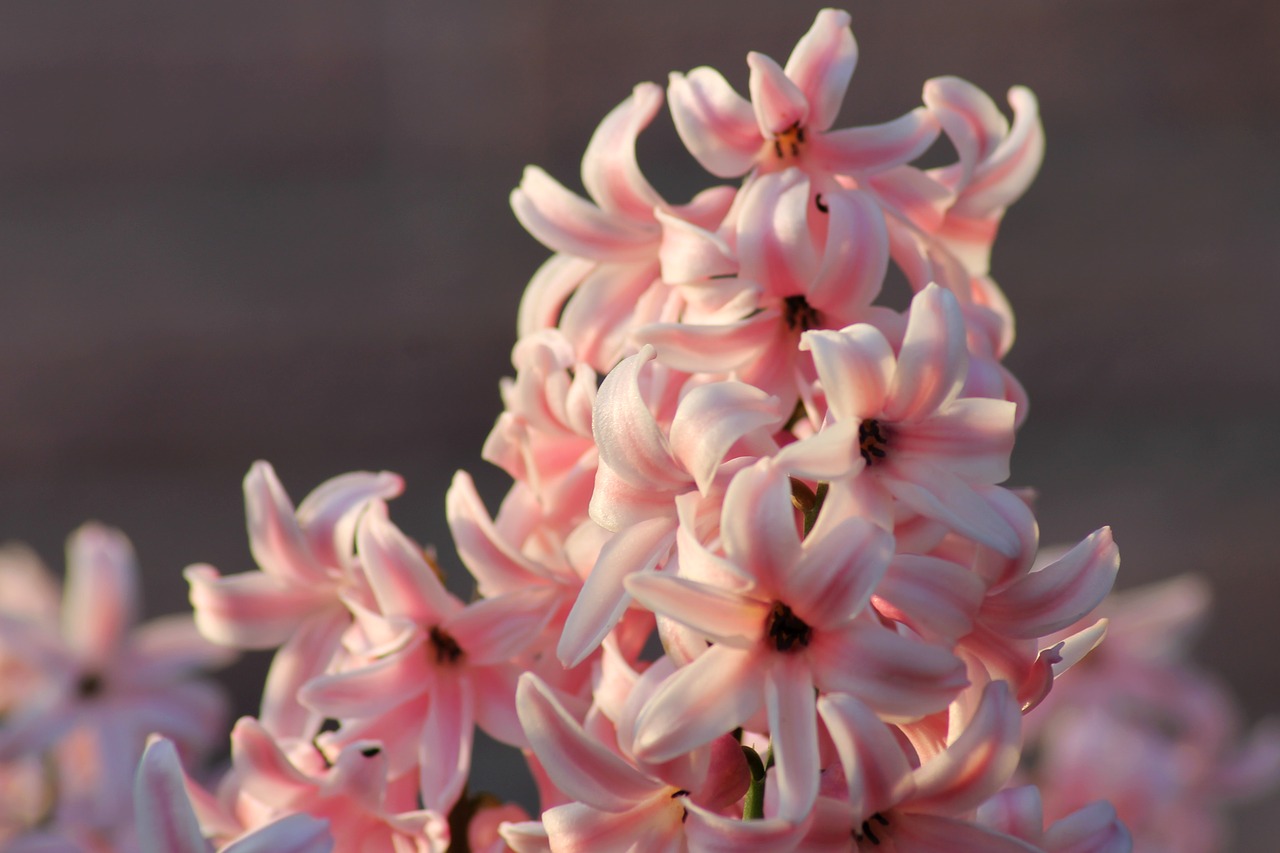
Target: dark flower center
799,314
786,145
872,440
89,685
786,629
447,648
869,827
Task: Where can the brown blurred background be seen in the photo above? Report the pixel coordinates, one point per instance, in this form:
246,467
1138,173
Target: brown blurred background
259,229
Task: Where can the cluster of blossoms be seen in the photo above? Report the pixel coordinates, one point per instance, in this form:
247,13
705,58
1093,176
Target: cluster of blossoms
756,585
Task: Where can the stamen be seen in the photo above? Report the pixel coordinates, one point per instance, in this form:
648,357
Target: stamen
786,629
90,685
822,205
871,441
786,145
447,648
799,314
867,833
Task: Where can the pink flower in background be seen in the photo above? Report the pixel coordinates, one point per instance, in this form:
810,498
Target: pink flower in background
99,684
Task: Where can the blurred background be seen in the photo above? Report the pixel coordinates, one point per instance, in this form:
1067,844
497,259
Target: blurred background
259,229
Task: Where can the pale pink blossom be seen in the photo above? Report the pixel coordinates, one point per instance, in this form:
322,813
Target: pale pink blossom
167,823
898,423
307,564
103,684
429,668
796,626
789,117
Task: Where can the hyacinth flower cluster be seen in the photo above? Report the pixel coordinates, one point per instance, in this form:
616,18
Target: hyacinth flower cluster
756,585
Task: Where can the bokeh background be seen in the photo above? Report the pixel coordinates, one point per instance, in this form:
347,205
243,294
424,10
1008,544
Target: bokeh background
262,229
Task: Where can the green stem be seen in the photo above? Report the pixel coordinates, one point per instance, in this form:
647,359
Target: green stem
753,804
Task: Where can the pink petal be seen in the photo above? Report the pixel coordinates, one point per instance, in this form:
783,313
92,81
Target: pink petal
935,598
714,122
793,731
608,304
575,828
711,348
921,833
876,148
609,169
875,766
295,833
821,65
444,751
164,818
938,494
971,121
565,222
630,440
603,598
496,565
546,293
758,525
307,654
494,630
1005,175
689,253
1058,595
263,771
403,582
856,366
251,610
711,419
278,544
100,600
779,104
720,615
328,516
171,646
855,259
933,358
900,678
708,832
836,573
716,693
829,454
1093,829
775,246
977,763
580,766
371,689
972,438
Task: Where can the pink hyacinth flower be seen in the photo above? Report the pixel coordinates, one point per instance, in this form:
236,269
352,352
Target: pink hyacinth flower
167,823
307,563
898,423
788,119
104,684
795,627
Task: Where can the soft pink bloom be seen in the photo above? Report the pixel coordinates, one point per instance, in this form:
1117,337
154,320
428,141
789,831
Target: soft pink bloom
1095,828
796,624
646,462
888,805
610,244
307,563
898,423
103,684
363,809
623,803
428,668
167,823
788,119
